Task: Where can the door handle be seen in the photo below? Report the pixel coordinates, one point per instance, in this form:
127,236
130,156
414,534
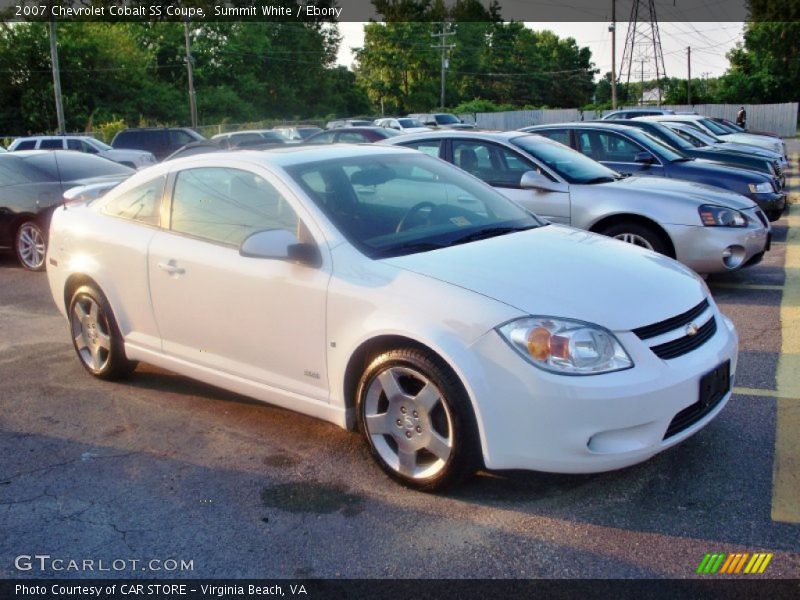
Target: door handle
171,268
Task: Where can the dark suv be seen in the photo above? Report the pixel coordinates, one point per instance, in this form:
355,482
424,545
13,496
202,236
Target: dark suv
161,141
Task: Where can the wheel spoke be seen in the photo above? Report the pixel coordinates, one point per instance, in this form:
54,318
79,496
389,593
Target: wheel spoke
408,462
80,341
103,340
427,397
80,311
379,424
438,446
390,386
96,362
93,312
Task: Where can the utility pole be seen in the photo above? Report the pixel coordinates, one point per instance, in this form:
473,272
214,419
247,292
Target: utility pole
444,47
62,129
613,30
689,80
189,61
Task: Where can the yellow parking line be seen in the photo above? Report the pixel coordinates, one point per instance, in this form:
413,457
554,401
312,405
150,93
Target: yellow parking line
745,286
786,468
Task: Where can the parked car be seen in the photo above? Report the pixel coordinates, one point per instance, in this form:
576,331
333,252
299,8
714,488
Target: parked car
402,124
135,159
248,137
296,133
338,123
628,149
632,113
740,159
192,148
379,288
734,128
709,126
442,121
32,184
2,150
161,141
706,228
701,139
351,135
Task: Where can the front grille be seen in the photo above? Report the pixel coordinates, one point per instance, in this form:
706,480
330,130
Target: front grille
656,329
719,384
778,169
687,343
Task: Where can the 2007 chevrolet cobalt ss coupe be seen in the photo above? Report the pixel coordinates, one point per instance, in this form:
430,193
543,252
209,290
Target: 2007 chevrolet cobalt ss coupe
388,290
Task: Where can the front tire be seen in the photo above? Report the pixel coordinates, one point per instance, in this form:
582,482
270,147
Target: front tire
30,244
417,419
638,235
95,335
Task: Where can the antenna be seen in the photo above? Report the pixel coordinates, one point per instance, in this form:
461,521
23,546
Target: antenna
642,55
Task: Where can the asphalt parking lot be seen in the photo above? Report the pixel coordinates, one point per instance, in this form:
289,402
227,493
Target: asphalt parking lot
164,468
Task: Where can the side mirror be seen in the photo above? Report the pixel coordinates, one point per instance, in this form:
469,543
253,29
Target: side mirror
279,244
533,180
645,158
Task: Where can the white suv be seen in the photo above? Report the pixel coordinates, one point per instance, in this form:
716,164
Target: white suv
136,159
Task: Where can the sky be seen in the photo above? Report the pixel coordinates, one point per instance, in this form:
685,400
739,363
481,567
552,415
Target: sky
710,43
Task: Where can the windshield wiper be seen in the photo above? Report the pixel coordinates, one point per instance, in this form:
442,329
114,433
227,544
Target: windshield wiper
408,248
602,179
682,159
489,233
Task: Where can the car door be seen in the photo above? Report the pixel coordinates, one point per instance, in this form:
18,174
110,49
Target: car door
502,168
616,152
260,319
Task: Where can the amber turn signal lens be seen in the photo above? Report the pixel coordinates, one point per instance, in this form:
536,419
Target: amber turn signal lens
539,343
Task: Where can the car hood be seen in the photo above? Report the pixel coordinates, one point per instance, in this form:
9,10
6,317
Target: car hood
725,174
753,140
564,272
745,149
678,189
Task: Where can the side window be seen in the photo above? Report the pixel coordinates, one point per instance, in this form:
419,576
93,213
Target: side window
429,147
557,135
226,205
179,138
496,165
26,145
617,148
51,144
351,137
73,144
325,138
142,203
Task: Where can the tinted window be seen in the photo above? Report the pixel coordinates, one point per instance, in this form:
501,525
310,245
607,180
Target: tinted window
494,164
136,139
80,146
352,137
179,138
715,128
323,138
605,146
83,166
26,145
569,164
142,203
557,135
445,119
227,205
51,144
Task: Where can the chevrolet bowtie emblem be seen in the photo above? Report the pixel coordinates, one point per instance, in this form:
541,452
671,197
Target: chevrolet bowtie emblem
692,329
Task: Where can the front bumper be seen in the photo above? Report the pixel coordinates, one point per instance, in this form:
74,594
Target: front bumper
532,419
771,203
719,249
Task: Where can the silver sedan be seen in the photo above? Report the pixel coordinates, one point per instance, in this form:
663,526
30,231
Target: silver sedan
708,229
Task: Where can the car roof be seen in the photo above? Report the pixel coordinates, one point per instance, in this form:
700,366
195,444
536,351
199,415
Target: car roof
614,125
462,133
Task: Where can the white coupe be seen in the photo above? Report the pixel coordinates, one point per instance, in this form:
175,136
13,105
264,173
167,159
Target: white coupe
385,289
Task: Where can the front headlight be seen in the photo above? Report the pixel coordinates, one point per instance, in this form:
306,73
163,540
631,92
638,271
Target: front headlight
565,346
719,216
765,187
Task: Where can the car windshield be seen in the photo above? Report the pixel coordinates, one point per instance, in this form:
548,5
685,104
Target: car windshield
732,126
410,123
700,136
725,126
570,164
713,127
97,144
392,205
446,119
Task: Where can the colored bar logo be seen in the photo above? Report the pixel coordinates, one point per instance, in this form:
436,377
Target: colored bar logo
734,564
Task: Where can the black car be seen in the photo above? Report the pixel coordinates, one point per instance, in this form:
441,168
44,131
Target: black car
725,157
32,184
161,141
351,135
629,149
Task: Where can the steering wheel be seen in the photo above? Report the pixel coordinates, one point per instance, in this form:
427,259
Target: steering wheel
412,211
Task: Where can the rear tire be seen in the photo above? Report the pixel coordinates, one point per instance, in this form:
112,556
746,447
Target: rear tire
417,420
30,244
638,235
96,336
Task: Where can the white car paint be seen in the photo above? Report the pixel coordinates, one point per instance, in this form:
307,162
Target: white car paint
259,327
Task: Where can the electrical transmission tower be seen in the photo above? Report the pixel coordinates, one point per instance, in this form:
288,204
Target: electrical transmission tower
642,57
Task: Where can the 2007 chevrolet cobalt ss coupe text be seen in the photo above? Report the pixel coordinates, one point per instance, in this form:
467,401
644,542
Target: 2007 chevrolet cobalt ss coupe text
385,289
